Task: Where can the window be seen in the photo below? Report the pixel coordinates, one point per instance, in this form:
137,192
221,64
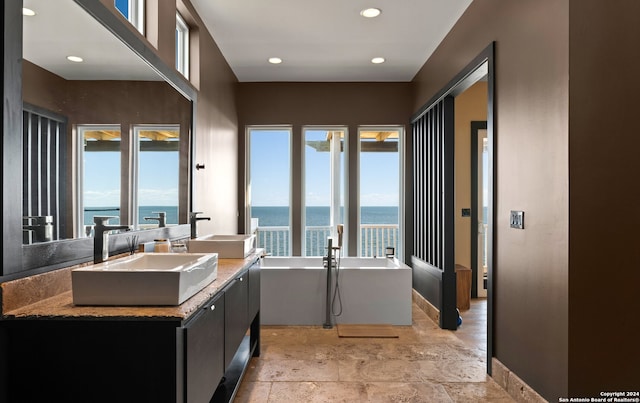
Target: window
323,187
182,46
133,11
324,184
269,187
379,185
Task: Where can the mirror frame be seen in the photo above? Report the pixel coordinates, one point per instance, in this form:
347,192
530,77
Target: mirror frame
25,260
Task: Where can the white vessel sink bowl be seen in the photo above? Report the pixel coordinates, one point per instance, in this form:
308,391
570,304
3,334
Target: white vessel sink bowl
144,279
226,246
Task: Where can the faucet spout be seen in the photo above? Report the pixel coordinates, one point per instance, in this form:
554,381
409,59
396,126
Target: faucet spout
193,219
101,237
161,218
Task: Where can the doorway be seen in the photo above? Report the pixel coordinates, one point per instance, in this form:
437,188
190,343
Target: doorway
434,223
479,209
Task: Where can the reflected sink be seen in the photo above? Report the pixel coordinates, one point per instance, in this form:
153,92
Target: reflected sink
144,279
226,246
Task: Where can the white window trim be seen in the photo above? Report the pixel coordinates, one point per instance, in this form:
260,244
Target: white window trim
182,46
136,14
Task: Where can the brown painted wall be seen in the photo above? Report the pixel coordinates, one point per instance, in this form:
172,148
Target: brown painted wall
216,135
531,266
604,248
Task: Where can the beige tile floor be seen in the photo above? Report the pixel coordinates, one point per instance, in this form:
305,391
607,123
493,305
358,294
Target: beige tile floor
424,364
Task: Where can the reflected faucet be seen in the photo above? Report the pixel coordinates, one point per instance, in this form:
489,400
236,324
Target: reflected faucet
162,218
38,228
193,219
101,237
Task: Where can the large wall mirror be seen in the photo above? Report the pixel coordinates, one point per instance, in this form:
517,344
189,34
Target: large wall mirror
110,135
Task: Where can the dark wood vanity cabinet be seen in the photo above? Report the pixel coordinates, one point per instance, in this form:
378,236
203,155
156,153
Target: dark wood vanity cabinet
236,318
204,349
198,359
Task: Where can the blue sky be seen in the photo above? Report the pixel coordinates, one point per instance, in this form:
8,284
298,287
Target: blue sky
270,170
158,179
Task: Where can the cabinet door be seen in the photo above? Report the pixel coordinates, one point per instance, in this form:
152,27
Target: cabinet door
204,351
236,318
254,290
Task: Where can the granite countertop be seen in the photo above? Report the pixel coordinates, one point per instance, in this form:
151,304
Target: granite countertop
59,305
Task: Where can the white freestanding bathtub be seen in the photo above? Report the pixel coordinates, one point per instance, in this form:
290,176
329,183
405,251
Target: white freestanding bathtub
372,290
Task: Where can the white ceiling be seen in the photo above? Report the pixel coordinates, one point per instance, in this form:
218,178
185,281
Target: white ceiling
328,40
61,28
319,41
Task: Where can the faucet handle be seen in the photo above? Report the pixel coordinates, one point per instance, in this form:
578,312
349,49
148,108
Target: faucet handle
193,214
159,213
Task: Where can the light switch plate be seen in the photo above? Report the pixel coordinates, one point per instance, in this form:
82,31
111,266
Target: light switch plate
516,219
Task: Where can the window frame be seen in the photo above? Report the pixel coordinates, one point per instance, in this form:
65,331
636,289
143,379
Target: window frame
401,183
182,45
135,14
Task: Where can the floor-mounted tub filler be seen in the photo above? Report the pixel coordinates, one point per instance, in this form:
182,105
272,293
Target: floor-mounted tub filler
293,291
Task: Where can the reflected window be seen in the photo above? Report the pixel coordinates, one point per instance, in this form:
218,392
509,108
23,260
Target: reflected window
133,11
157,176
98,174
182,46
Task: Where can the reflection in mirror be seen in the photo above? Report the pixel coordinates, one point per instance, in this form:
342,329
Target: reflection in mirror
158,163
44,168
113,89
98,174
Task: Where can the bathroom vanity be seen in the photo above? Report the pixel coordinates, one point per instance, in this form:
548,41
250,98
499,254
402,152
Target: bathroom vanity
193,352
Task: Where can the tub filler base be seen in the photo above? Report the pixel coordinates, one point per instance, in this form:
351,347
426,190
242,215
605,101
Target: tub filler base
372,291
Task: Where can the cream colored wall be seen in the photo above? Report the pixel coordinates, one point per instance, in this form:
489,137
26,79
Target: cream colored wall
470,106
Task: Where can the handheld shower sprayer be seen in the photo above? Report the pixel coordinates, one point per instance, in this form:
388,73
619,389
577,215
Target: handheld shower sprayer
340,231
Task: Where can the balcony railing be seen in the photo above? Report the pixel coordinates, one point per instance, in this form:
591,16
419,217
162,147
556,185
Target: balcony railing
374,239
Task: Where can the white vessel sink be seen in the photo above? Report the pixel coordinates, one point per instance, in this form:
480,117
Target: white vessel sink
226,246
144,279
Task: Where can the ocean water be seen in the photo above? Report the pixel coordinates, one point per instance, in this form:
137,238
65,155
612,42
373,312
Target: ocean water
319,215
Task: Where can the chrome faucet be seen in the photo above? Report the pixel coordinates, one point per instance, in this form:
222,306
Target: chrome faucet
193,219
162,218
101,237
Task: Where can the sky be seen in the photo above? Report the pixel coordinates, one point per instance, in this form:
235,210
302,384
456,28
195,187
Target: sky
270,172
158,181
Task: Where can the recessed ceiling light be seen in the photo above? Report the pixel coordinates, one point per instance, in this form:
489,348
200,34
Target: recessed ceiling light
370,12
377,60
275,60
74,59
28,12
